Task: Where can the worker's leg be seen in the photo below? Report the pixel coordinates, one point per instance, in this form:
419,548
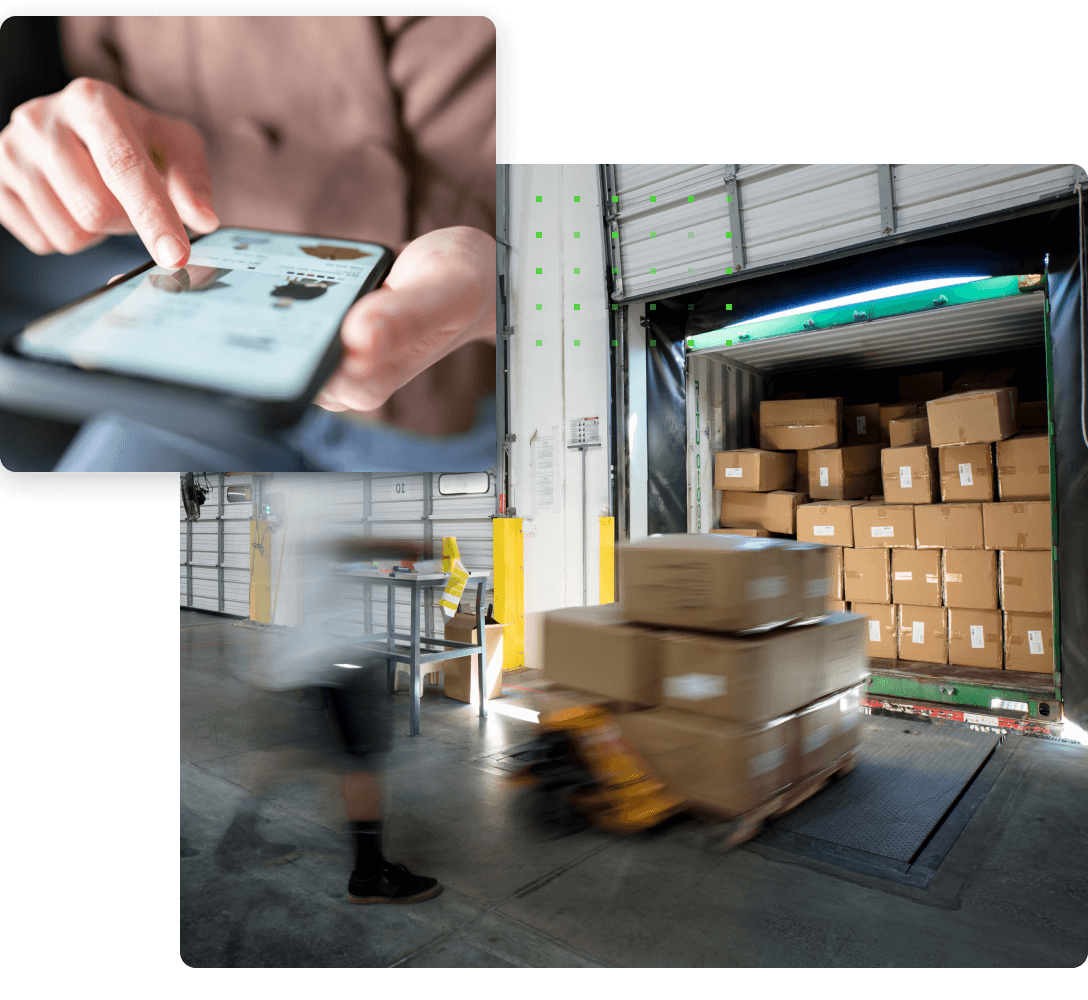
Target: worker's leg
362,794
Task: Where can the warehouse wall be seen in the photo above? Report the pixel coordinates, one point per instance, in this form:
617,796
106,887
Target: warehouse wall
555,382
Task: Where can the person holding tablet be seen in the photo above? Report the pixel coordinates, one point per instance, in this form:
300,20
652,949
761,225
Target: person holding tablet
378,129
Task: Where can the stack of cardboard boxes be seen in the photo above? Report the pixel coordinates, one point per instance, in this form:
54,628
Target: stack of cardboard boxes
937,513
727,673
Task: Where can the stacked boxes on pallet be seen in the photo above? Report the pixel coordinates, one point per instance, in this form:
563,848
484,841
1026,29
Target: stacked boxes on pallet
727,673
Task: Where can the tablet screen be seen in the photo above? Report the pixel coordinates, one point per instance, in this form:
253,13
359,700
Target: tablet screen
252,313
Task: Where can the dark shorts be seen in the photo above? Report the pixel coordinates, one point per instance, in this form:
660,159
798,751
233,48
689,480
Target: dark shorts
360,714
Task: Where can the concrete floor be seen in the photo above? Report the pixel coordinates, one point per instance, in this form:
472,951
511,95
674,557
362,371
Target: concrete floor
267,884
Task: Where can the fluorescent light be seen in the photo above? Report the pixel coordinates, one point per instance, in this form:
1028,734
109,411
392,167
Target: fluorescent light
350,666
876,293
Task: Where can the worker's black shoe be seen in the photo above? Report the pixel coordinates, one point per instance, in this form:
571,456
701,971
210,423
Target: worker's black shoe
394,884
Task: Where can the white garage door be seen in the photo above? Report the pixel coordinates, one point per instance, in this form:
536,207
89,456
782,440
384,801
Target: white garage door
421,507
674,226
215,549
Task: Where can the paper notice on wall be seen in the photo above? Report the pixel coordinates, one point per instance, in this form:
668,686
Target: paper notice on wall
544,472
918,632
978,641
1035,642
874,630
823,476
966,479
904,476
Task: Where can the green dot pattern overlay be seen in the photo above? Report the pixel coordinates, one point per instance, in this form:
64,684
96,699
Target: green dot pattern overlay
653,270
729,307
577,236
577,197
539,306
691,236
577,270
577,343
540,236
615,199
540,270
653,343
728,236
653,197
615,343
540,343
614,308
615,270
691,343
577,307
691,197
652,235
539,198
653,305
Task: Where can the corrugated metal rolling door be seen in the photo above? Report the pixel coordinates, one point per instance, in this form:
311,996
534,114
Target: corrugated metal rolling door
677,226
386,505
215,550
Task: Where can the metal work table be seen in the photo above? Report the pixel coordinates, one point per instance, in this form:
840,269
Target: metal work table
385,643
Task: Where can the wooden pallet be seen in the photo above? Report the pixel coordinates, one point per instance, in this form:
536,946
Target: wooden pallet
727,832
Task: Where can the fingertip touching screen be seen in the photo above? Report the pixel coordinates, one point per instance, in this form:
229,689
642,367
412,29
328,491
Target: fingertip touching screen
252,313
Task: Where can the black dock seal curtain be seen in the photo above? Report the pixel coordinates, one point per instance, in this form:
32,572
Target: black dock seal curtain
666,420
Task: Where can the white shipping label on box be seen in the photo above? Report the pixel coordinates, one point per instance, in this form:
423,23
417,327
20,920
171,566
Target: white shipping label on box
965,474
883,531
978,641
918,632
861,425
904,574
766,587
932,578
824,529
734,473
694,687
874,630
818,588
816,739
769,761
1035,642
904,476
823,476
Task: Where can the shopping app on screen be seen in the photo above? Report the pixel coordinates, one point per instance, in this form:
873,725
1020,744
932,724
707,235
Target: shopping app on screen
251,312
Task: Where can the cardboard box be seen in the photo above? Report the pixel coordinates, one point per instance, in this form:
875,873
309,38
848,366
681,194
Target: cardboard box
916,577
867,575
1016,525
921,388
945,526
842,645
862,423
752,470
1023,467
923,633
830,728
461,675
802,469
982,377
819,574
743,532
1029,642
908,430
837,575
800,424
598,651
830,523
970,579
837,607
720,583
1033,415
881,629
910,474
972,417
967,472
1026,581
848,473
974,638
880,525
775,512
726,766
736,679
895,411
